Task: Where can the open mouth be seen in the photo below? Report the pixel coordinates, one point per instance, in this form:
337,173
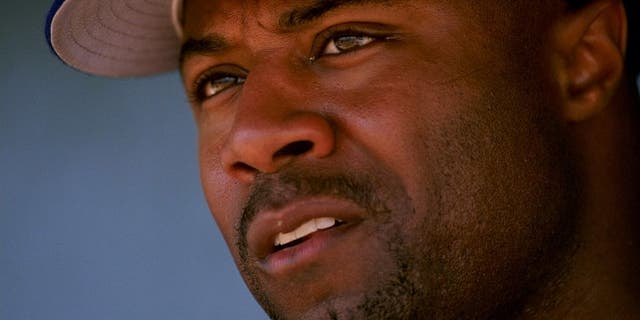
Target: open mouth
299,232
304,232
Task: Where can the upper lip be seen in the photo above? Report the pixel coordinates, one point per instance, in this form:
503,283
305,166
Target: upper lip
268,224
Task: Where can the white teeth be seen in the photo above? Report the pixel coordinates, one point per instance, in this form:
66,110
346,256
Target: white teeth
325,223
304,230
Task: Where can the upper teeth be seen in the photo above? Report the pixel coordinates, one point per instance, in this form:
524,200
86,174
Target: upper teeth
304,230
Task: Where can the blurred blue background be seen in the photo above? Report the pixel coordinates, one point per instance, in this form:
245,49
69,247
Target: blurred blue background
101,212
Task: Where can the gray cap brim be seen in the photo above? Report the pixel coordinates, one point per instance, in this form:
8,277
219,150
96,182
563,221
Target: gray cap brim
116,38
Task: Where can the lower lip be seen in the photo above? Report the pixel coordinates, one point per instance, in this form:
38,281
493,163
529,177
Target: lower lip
295,258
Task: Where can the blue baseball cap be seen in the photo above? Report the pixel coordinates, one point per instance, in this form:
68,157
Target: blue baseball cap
116,38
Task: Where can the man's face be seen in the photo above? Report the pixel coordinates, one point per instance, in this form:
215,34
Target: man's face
380,159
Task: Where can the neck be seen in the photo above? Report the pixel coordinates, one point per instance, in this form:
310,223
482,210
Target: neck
601,279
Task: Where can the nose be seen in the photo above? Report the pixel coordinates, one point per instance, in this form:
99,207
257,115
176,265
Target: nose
273,126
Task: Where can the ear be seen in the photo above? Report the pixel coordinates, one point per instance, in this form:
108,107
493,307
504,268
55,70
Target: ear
590,44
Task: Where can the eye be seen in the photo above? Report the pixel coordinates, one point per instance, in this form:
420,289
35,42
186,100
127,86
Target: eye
345,43
349,37
212,84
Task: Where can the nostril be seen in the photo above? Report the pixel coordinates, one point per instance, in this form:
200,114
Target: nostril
243,167
294,149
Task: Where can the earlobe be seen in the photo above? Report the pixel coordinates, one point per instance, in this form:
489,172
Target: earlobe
591,43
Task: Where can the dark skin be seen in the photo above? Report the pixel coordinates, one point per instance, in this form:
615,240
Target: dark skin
480,158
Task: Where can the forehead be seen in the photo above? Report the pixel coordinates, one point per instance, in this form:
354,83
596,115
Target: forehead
201,15
276,15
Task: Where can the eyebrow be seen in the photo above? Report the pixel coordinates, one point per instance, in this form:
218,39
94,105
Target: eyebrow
296,18
210,44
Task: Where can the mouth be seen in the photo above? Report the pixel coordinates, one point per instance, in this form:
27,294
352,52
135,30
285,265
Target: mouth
301,232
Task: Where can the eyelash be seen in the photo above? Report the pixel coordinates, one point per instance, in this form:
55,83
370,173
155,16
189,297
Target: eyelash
198,95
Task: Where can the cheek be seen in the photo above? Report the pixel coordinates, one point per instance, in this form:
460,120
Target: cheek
220,190
398,112
474,150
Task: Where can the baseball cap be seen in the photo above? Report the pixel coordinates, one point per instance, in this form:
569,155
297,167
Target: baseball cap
132,38
116,38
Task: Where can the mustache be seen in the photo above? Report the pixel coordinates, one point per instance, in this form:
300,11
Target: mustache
275,190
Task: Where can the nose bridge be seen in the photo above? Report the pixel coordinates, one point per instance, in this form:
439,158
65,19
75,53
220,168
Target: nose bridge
277,66
274,122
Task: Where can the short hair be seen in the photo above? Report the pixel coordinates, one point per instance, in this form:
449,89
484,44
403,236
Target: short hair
633,42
